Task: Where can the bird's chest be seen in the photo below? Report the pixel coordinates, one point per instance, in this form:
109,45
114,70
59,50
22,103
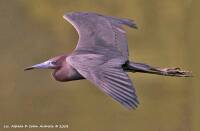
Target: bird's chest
67,73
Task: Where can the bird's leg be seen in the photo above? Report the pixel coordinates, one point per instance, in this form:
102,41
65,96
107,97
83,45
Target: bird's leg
173,72
144,68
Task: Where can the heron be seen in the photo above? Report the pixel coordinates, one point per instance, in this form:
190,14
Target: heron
101,56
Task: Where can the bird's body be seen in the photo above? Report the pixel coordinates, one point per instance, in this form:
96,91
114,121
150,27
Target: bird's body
101,56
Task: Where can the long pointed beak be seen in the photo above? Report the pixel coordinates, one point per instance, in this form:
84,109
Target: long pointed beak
44,65
28,68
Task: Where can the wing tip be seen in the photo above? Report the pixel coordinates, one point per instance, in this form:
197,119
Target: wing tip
129,23
134,105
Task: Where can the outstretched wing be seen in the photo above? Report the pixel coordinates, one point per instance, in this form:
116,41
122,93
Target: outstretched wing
100,53
94,28
107,75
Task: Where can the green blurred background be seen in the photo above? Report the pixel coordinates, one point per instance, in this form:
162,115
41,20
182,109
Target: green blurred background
32,31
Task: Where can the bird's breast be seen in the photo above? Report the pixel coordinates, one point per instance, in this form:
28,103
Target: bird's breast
67,73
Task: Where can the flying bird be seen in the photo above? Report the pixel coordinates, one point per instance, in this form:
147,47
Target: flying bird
101,56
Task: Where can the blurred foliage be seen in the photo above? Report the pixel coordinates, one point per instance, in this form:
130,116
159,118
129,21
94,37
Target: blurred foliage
34,30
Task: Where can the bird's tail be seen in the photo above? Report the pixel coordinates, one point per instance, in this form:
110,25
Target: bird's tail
144,68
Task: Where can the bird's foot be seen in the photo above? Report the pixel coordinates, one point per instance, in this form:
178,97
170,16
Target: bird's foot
174,72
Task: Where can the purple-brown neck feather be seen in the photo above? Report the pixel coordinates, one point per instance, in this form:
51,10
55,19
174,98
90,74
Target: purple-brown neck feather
64,71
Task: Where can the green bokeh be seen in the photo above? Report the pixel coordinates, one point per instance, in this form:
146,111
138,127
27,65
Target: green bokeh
32,31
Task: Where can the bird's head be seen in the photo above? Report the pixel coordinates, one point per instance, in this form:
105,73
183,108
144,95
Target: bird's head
53,63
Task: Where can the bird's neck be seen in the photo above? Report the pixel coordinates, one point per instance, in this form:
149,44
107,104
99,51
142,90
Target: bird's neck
66,73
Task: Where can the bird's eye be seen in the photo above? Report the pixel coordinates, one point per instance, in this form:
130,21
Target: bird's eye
53,62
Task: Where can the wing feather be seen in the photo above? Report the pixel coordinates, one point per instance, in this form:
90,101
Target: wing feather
94,28
100,53
110,78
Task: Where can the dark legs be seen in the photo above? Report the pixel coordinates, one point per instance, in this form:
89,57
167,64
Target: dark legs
144,68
